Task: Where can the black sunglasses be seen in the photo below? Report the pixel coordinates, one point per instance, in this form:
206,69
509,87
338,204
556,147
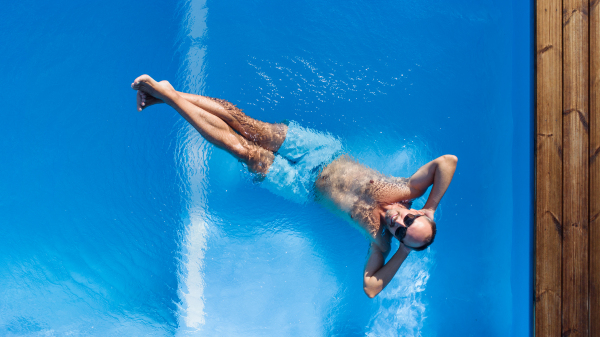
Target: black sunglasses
408,220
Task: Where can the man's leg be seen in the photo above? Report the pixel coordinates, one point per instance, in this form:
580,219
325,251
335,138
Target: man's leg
270,136
210,126
267,135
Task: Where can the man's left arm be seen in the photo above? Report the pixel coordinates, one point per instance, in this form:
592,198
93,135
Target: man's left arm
439,173
377,273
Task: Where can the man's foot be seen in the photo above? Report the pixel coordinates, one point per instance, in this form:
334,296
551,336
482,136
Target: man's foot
151,92
144,100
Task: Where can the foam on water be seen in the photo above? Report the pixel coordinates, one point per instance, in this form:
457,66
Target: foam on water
402,306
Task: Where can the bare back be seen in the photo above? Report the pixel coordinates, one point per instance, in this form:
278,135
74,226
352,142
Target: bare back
355,192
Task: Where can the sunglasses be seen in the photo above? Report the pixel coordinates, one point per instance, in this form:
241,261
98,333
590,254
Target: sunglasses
408,220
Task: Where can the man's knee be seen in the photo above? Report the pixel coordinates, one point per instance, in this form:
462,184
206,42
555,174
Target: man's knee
259,160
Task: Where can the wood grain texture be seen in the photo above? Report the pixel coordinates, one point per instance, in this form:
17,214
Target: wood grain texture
594,168
548,167
575,263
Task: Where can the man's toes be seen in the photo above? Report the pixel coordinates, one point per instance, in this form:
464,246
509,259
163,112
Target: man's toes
136,83
143,78
139,101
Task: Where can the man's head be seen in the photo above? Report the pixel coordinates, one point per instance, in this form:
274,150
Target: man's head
411,227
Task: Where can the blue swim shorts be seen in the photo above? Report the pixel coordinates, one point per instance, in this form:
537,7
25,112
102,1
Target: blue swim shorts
298,162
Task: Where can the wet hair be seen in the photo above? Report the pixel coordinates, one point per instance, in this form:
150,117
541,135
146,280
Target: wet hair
429,240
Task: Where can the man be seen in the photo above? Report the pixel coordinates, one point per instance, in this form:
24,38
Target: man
302,164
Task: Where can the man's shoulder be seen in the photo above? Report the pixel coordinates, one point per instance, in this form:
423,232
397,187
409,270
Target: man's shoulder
364,214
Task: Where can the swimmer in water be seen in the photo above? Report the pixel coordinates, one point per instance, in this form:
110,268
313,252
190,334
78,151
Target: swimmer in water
302,165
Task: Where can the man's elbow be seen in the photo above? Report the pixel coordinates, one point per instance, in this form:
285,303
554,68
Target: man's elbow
447,162
370,293
450,159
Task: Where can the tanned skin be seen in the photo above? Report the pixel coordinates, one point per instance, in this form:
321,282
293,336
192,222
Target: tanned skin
375,203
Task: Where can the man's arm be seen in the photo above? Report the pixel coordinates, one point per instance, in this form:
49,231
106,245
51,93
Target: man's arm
377,274
438,172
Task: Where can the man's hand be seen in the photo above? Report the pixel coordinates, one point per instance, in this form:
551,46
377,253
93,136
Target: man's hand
428,212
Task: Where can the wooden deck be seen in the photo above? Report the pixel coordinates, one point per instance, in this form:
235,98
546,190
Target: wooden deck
567,265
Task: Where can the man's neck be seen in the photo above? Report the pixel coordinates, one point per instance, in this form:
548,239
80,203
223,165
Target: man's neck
393,205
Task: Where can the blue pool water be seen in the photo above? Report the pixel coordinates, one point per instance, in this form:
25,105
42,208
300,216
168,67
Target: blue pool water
116,222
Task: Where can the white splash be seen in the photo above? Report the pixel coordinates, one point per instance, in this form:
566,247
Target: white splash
401,305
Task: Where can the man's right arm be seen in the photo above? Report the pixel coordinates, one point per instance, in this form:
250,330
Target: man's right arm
439,173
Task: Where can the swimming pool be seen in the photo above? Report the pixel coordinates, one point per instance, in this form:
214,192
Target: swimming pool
116,222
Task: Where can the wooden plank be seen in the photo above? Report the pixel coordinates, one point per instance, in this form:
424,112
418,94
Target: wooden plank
575,264
548,167
594,168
